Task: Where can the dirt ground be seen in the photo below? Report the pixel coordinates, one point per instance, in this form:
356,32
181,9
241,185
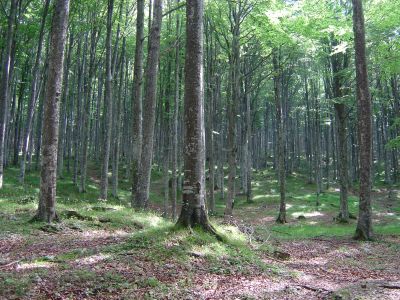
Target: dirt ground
318,268
73,264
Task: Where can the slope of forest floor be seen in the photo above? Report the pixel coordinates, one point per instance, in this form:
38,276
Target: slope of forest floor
107,251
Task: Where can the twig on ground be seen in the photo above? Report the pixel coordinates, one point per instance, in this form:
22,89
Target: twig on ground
9,264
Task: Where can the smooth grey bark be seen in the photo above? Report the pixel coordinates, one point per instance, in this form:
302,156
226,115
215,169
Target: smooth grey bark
232,151
4,83
341,116
117,125
70,120
108,105
364,224
39,117
235,13
280,139
175,121
211,108
144,171
396,113
48,176
63,117
339,63
309,136
77,130
220,137
12,88
317,140
87,93
137,97
117,66
165,141
248,152
33,93
17,119
97,126
194,212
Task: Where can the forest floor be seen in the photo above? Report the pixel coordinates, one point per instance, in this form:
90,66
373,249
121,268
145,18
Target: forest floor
107,251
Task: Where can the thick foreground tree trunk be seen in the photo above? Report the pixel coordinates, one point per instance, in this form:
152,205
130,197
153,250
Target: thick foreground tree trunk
364,225
194,210
48,177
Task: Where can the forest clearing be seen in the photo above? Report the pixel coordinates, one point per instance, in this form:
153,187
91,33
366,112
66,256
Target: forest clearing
198,149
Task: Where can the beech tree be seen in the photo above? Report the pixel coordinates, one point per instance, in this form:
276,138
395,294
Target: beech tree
194,212
108,104
364,224
280,137
149,114
48,176
33,95
279,101
4,83
137,97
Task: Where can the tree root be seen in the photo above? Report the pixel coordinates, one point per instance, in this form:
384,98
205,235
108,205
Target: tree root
208,228
38,218
362,236
392,287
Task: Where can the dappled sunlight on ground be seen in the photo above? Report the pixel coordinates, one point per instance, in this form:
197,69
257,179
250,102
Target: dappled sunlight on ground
89,235
268,219
259,197
307,214
93,259
312,222
35,265
135,255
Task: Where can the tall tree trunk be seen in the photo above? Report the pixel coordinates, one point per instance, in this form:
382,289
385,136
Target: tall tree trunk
81,64
174,178
317,140
48,177
309,137
342,157
5,76
144,171
235,89
107,104
18,116
339,63
364,224
97,131
194,205
33,95
280,140
63,117
87,93
248,152
137,97
210,79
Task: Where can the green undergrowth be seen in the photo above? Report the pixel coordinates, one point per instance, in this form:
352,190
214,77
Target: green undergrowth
301,199
148,238
155,241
